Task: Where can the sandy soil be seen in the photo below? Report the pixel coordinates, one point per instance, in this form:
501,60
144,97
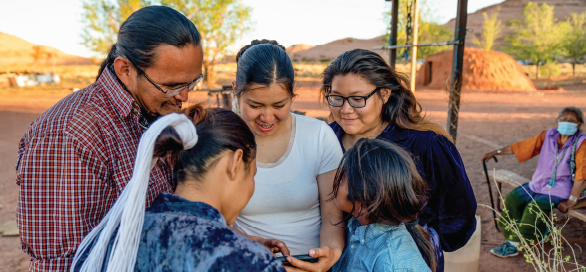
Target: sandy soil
488,120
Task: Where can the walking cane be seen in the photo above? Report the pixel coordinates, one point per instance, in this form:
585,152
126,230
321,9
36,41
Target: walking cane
490,192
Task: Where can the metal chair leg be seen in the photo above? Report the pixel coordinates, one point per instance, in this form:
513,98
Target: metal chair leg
498,203
490,192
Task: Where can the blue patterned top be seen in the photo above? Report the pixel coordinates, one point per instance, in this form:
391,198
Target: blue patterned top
379,247
180,235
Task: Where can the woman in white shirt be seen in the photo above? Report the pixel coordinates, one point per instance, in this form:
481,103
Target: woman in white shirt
297,158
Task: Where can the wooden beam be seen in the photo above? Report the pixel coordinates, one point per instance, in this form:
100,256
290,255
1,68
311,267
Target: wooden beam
393,37
513,180
508,178
457,65
579,214
414,48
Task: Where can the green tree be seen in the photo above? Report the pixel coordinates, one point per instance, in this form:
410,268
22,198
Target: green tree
491,30
550,69
429,30
102,19
573,44
537,38
220,23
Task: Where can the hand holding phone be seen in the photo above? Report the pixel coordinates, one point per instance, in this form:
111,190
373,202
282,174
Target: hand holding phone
305,258
319,259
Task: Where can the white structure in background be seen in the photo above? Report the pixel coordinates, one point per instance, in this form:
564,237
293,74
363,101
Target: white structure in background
48,78
23,80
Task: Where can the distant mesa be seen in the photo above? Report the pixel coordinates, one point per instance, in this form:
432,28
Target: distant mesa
483,70
16,51
513,10
510,10
298,47
332,50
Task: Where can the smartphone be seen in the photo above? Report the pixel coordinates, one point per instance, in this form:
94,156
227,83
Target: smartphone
305,258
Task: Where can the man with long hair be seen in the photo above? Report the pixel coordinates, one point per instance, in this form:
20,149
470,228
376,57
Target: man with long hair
76,158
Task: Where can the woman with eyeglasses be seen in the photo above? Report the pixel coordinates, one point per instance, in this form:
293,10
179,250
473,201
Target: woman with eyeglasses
369,99
297,158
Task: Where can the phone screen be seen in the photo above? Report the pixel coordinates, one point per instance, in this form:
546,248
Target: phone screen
305,258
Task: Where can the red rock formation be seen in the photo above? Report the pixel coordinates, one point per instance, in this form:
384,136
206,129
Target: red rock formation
513,10
332,50
483,70
16,51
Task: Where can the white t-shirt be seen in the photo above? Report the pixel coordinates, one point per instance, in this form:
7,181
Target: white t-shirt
285,204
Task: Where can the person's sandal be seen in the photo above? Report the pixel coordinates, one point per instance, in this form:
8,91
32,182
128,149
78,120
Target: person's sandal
505,250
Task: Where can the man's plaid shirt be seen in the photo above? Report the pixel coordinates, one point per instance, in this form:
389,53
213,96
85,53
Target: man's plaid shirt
73,163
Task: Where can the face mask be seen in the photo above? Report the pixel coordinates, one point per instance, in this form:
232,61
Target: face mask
567,128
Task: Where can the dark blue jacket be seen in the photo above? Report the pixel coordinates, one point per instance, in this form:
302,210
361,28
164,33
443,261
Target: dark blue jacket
180,235
451,207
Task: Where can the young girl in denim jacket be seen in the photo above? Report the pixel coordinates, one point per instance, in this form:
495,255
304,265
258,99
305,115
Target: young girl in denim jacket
378,184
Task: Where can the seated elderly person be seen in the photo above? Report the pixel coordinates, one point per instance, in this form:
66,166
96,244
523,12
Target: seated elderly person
557,181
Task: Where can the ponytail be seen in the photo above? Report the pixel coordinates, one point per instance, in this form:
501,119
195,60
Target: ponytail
422,240
127,213
264,62
112,55
192,155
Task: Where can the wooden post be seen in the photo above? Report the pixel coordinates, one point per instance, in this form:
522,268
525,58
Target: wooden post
393,37
241,24
227,100
456,74
414,48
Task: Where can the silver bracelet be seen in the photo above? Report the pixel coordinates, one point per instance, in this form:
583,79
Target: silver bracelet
573,198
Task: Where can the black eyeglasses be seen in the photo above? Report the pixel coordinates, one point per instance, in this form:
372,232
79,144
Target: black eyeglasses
355,101
172,92
568,119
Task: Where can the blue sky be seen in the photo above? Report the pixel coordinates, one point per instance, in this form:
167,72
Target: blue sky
59,23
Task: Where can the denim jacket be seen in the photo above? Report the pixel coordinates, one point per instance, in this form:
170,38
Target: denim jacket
379,247
451,207
180,235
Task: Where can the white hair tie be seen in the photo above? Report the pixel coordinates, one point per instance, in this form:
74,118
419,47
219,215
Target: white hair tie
187,133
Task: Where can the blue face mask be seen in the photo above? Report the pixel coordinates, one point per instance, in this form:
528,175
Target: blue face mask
567,128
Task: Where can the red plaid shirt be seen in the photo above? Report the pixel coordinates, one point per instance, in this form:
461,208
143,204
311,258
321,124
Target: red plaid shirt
73,163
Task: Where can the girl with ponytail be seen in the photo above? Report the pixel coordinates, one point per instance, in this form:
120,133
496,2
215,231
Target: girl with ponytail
213,153
296,161
378,184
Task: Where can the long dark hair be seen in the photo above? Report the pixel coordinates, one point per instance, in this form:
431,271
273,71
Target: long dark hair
384,179
145,30
264,62
217,130
402,109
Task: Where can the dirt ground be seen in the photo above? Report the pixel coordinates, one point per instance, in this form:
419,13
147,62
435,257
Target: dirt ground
488,120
